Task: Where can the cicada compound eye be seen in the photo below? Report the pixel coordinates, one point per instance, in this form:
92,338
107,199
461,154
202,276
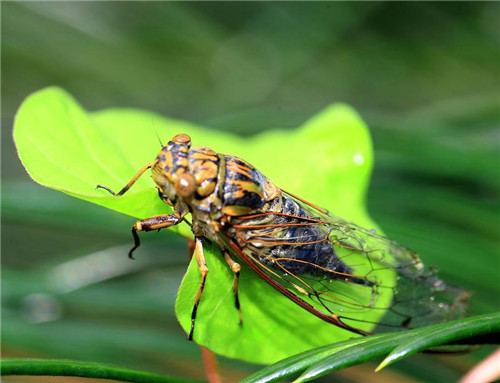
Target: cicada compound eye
185,185
182,139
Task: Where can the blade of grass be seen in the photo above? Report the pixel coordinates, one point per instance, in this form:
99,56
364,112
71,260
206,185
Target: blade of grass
298,363
477,325
453,331
57,367
321,361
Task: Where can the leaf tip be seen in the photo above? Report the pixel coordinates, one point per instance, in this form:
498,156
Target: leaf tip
387,361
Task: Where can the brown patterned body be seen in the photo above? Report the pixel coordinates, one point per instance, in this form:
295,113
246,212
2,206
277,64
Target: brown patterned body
225,186
332,268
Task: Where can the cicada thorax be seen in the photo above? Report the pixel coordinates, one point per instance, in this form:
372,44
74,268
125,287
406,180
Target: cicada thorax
245,190
211,185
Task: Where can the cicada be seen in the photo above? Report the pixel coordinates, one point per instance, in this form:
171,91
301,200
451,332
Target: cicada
332,268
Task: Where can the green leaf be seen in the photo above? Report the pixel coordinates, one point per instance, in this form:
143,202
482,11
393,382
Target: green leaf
295,364
56,367
395,346
433,336
328,160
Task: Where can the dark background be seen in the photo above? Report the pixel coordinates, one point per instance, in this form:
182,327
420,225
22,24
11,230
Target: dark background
424,76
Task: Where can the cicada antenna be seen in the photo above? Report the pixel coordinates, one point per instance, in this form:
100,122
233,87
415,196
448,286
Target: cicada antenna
156,132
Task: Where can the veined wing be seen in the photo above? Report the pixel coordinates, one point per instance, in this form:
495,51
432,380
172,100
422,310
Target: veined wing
341,272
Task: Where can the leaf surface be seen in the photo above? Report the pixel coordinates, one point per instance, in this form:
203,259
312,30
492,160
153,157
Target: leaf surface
327,160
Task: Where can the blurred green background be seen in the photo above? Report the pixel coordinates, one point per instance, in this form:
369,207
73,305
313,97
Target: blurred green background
424,76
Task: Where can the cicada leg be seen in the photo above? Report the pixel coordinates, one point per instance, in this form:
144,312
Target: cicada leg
235,268
202,267
154,223
131,182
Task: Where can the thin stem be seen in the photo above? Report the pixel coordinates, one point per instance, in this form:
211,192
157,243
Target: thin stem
210,363
56,367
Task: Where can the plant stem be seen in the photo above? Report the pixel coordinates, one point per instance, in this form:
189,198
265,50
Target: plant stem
210,363
57,367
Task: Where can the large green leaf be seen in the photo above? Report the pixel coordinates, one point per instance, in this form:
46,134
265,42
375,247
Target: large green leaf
328,160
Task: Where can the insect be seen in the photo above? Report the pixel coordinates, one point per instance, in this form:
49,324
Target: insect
332,268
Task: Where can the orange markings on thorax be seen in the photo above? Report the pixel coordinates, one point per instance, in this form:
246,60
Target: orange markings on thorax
237,168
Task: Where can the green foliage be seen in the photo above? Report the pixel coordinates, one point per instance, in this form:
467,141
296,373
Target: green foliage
54,367
318,362
328,160
424,75
310,365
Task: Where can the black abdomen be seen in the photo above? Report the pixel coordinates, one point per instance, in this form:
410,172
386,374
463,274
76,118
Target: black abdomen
308,247
292,240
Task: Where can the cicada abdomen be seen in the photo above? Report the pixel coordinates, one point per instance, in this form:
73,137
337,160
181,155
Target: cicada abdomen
365,282
334,269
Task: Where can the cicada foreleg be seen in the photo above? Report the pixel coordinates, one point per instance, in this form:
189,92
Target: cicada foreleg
202,267
156,222
152,223
235,268
131,182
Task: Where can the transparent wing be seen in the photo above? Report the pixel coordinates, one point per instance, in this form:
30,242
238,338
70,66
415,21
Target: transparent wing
338,270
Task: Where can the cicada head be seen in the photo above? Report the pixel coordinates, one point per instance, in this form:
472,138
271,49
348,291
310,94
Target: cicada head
171,172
